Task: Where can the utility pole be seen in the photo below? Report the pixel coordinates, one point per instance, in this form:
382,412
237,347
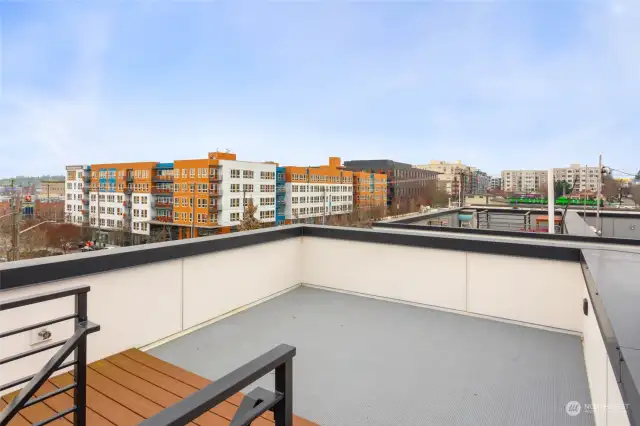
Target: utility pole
15,224
551,212
600,177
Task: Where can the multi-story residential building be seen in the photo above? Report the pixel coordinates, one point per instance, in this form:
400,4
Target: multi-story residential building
281,195
480,181
120,198
582,178
369,190
524,181
313,194
404,181
495,182
211,194
455,177
183,199
76,203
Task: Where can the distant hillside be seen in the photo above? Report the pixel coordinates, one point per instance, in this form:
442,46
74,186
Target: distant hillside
27,181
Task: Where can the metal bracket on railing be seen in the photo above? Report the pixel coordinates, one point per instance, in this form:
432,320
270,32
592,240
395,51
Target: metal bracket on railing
253,404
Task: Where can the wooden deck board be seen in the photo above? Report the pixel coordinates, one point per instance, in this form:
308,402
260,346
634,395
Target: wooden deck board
37,412
126,388
63,401
17,420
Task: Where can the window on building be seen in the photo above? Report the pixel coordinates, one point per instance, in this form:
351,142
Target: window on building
235,187
234,202
247,187
247,174
234,173
234,217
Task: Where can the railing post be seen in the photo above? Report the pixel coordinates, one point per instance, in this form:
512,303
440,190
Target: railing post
283,410
80,369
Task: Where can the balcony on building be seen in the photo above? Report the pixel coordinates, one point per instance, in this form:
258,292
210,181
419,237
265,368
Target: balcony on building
167,177
163,203
163,218
162,189
389,326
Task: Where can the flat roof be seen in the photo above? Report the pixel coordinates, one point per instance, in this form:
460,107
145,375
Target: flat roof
362,361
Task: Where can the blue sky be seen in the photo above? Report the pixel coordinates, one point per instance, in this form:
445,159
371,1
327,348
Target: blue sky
496,84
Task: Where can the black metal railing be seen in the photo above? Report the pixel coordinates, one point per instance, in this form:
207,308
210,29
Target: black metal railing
253,404
77,343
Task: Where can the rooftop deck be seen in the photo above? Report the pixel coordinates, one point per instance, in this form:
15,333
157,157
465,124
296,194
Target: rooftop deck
381,327
363,361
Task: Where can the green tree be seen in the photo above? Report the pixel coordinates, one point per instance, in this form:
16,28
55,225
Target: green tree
561,187
638,175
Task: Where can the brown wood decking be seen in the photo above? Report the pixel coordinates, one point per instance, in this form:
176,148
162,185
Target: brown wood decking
128,387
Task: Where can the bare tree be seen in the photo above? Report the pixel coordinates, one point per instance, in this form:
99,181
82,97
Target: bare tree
63,236
33,243
249,220
635,193
611,189
5,238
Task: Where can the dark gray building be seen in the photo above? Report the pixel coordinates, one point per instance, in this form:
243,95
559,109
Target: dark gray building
403,180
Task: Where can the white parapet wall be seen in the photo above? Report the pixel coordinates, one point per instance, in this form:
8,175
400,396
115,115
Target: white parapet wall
140,305
538,292
606,400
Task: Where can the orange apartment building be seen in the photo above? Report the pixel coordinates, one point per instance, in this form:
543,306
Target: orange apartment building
369,190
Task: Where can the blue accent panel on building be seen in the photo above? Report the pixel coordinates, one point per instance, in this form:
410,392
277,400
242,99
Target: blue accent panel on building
164,166
112,181
280,195
373,183
102,180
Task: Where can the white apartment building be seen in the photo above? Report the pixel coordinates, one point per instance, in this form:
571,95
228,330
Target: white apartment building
525,181
585,177
243,182
106,210
316,200
76,202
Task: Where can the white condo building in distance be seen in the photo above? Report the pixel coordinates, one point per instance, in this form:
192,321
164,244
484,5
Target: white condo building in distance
244,182
76,200
315,194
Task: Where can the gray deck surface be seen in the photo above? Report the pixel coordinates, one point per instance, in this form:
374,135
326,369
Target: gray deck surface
366,362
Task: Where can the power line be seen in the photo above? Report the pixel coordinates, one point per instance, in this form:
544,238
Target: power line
622,171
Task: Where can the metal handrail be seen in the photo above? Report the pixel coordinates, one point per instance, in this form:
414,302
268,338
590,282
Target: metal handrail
77,343
253,404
